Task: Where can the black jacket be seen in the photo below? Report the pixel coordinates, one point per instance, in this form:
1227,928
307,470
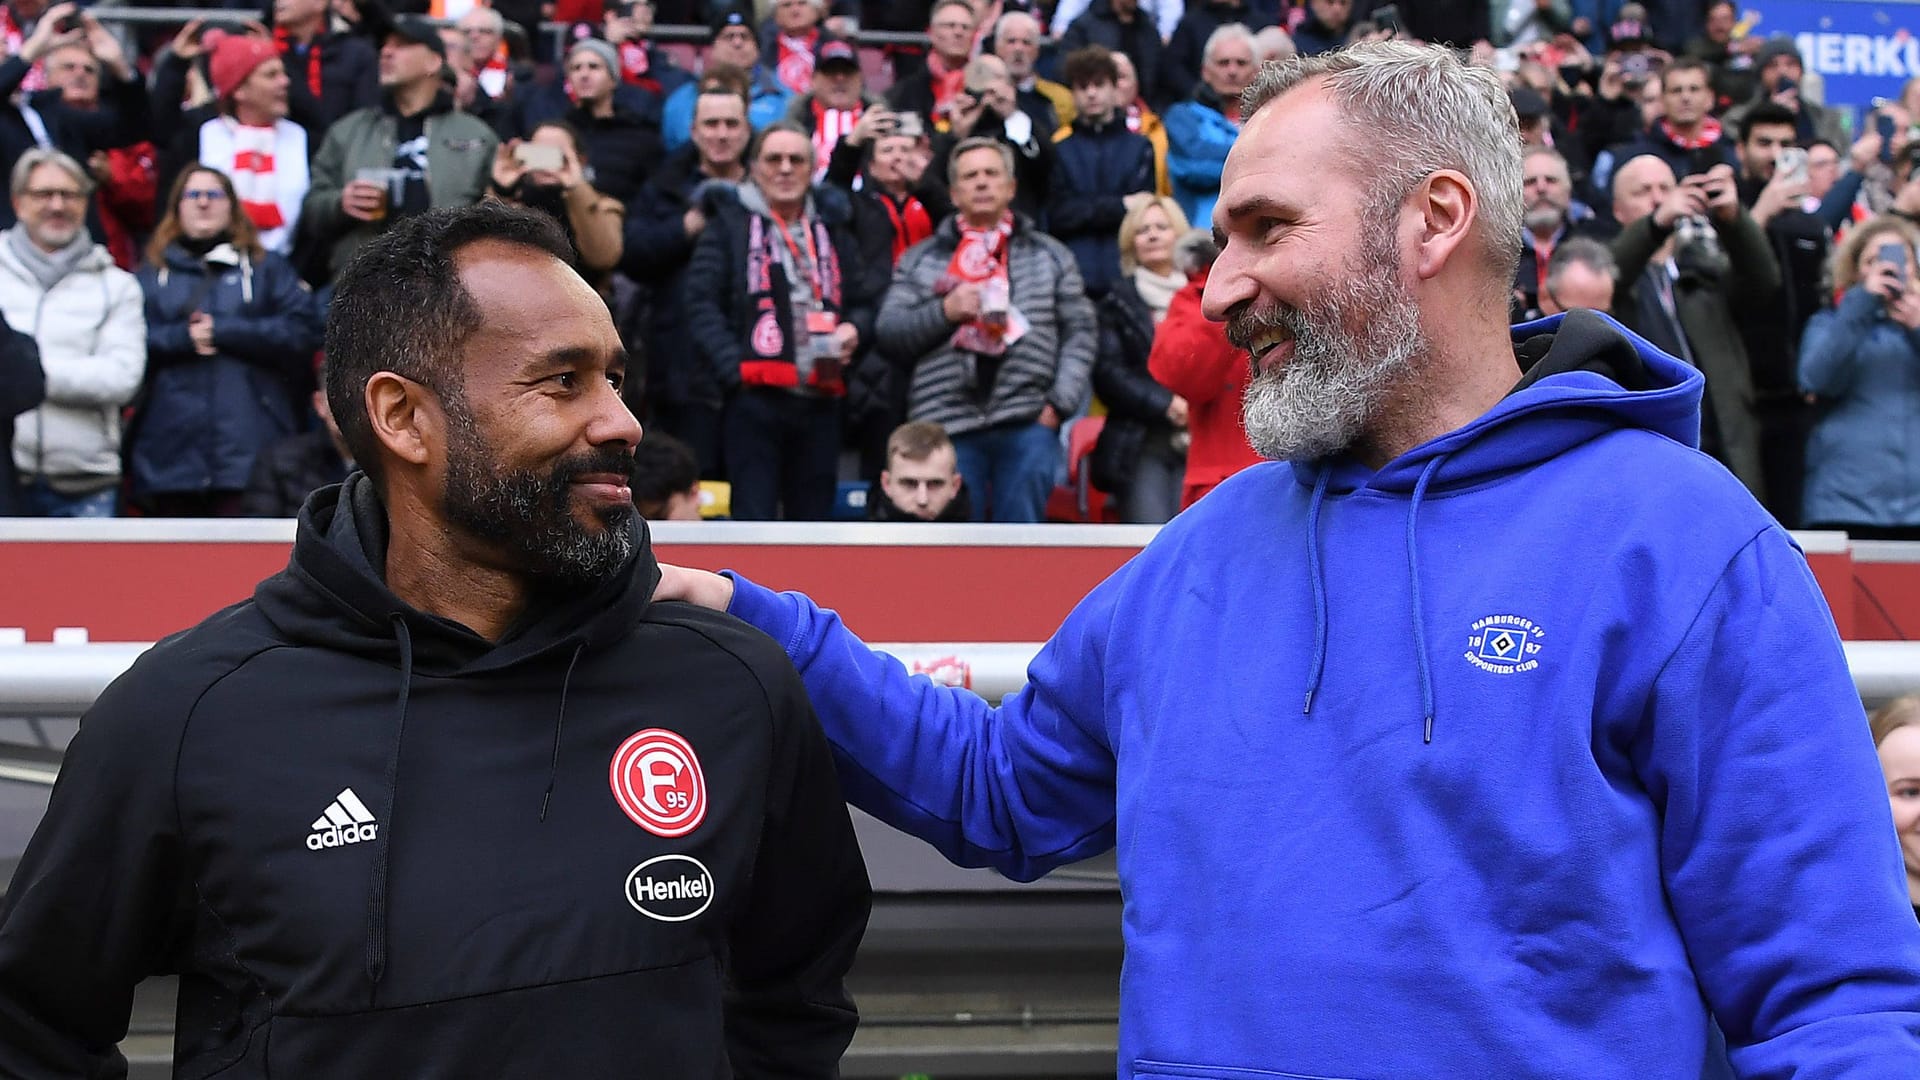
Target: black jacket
621,149
290,470
1139,39
121,120
22,386
348,66
1136,404
1180,63
374,844
1094,171
655,253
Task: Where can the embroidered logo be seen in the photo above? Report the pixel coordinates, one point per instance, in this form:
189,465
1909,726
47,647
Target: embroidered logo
670,888
657,781
766,335
1504,644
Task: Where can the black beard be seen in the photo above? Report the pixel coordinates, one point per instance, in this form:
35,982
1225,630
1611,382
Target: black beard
529,515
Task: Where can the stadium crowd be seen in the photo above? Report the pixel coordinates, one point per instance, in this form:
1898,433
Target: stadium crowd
953,270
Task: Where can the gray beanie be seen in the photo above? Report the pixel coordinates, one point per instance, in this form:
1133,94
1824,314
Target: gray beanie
600,49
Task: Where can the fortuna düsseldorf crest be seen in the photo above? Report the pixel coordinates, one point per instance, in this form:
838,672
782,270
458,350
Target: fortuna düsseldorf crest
657,782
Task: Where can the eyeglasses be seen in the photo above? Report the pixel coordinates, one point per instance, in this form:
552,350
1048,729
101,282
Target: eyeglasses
212,195
775,161
46,195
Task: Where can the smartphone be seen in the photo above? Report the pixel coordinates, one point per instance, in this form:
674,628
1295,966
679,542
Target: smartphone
1791,165
1883,125
1894,254
908,124
539,157
1785,84
1701,160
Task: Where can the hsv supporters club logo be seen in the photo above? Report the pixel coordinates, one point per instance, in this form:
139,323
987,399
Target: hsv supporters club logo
657,781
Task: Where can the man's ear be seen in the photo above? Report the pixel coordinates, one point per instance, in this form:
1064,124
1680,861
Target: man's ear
406,416
1448,206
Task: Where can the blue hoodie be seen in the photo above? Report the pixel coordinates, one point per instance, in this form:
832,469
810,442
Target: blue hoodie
1516,758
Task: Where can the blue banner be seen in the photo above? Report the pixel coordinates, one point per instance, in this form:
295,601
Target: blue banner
1862,50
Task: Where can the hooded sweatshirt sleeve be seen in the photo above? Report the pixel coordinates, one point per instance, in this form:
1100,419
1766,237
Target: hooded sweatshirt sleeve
788,1011
1022,788
1777,852
99,894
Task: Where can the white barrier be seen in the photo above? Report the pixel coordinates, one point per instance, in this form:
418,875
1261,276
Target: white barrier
62,680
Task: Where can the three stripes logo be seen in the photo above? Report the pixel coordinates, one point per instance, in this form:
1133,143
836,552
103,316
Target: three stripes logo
346,821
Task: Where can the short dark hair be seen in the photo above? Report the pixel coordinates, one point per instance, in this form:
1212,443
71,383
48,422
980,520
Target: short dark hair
663,466
1686,63
1093,64
1764,114
778,126
400,306
727,79
563,127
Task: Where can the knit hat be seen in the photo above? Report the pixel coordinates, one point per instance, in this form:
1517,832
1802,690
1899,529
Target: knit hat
1777,46
235,56
731,16
599,48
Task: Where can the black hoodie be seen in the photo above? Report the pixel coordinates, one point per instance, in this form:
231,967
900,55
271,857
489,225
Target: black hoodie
374,844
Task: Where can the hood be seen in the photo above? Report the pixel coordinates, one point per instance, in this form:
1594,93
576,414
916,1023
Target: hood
334,594
441,104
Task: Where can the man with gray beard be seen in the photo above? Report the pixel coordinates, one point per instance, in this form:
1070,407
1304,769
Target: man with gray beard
450,796
1453,741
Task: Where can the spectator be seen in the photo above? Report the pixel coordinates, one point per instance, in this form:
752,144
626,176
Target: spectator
642,63
1271,44
1731,57
1823,169
1581,273
1325,28
833,107
1687,137
1192,357
1530,22
432,154
1016,41
1859,359
1552,218
933,91
1781,78
793,38
1896,735
666,479
126,175
285,473
777,301
1183,64
23,385
989,107
246,133
667,220
1141,119
922,480
331,72
1201,129
121,121
734,46
231,333
1097,166
1121,27
1686,252
1142,453
1001,335
1162,18
594,221
618,124
487,54
84,315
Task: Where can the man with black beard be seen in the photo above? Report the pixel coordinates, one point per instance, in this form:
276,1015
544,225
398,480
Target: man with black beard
450,796
1473,686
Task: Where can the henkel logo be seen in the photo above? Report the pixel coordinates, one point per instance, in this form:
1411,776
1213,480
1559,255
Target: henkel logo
657,782
671,888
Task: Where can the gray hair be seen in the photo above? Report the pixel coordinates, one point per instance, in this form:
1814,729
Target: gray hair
1230,32
497,21
1015,16
979,142
38,156
1581,251
1274,43
1195,252
1420,109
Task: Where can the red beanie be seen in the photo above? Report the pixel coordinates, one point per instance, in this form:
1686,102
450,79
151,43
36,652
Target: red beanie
235,56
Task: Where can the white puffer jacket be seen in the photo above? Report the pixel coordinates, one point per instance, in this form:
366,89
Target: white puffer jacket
92,334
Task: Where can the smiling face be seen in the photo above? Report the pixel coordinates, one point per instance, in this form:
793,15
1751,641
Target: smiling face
51,207
1310,280
539,447
1900,762
1153,240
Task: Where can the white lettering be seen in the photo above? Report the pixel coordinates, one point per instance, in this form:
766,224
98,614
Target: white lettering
1887,54
1827,52
336,836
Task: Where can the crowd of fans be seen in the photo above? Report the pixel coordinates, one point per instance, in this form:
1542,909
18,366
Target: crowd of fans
989,238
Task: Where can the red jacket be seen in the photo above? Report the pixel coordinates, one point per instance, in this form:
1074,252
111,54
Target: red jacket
1191,357
127,202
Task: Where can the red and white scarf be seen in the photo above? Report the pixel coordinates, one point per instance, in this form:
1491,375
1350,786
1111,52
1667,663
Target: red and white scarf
795,66
829,126
492,75
947,83
268,166
980,256
14,37
1710,133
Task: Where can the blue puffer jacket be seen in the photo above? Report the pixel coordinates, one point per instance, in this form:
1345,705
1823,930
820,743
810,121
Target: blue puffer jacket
1094,170
206,417
1198,138
1863,458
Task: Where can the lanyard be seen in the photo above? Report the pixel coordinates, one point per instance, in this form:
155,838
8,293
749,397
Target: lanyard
812,267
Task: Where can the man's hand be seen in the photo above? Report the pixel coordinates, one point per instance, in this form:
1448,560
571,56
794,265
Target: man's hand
363,200
963,303
1049,418
507,169
106,48
200,332
708,590
1905,308
186,43
875,123
1884,280
618,28
965,112
1723,195
100,166
1177,411
1788,99
693,222
1865,151
847,336
1688,199
1780,194
47,35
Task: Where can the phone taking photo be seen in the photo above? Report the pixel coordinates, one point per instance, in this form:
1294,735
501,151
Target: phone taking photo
1894,254
1791,165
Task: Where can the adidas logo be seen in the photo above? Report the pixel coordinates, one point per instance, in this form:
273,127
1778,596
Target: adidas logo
346,821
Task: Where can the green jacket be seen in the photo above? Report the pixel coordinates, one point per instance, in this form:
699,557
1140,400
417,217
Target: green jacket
459,165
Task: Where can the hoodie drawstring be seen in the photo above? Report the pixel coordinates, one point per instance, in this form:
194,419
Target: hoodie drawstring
1319,662
553,766
377,883
1413,580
